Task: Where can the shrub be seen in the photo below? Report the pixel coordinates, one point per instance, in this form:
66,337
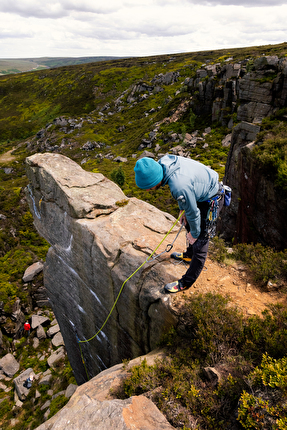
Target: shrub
271,373
272,156
217,250
5,407
212,333
141,379
56,404
265,263
118,176
267,334
264,408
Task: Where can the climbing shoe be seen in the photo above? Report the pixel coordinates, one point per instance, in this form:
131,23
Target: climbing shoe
181,256
175,287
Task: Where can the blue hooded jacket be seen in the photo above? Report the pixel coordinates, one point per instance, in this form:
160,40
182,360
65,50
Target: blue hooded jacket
189,182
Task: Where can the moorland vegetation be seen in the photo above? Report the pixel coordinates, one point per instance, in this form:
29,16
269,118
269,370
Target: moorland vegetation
102,121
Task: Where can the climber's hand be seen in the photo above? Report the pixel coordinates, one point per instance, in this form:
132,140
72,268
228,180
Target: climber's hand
190,239
182,219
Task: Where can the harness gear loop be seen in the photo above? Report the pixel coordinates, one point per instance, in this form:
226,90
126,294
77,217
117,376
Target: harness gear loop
212,213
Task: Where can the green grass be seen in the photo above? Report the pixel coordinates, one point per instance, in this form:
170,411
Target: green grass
247,353
30,101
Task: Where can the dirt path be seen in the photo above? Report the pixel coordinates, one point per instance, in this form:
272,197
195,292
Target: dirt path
235,283
7,157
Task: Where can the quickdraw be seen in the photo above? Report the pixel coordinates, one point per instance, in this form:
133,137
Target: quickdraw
212,214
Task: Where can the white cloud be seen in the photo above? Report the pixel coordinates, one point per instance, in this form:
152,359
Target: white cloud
134,27
55,9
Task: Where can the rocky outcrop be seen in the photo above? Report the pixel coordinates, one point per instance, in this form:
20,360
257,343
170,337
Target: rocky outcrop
93,405
247,92
250,90
99,238
257,211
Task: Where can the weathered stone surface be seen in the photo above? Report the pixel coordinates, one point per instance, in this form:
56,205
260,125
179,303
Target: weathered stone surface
53,330
121,159
57,180
45,405
32,271
9,365
40,296
136,412
70,390
251,94
46,378
38,320
41,333
94,400
17,318
212,374
56,356
3,386
58,340
227,140
36,342
91,258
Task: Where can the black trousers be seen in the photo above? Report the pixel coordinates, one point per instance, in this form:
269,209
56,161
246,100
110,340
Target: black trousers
198,251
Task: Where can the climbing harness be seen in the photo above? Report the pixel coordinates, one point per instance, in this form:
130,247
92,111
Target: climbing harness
212,214
168,248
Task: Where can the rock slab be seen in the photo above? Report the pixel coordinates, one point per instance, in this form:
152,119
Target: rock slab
93,407
32,271
98,239
22,391
9,365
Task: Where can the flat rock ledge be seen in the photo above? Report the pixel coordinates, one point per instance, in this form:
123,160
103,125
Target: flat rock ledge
93,407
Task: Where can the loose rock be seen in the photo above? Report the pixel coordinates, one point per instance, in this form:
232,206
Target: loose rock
9,365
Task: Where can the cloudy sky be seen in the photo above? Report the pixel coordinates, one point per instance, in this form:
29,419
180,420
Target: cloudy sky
77,28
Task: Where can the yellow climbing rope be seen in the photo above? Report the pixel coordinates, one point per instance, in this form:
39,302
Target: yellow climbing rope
122,287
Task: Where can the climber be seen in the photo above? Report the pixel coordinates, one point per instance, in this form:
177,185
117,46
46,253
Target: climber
27,328
29,381
199,195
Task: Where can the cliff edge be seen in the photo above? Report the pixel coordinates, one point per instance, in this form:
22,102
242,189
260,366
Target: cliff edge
99,238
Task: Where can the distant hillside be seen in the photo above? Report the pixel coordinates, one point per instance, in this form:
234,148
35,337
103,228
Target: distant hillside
18,65
104,115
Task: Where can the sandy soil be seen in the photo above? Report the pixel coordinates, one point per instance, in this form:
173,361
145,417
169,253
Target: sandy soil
234,282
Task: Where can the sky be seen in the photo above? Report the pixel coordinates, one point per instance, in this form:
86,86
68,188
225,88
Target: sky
123,28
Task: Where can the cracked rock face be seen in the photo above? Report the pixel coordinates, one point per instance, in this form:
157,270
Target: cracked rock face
97,243
258,210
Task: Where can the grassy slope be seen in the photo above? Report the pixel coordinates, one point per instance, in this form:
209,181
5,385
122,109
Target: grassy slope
30,101
18,65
